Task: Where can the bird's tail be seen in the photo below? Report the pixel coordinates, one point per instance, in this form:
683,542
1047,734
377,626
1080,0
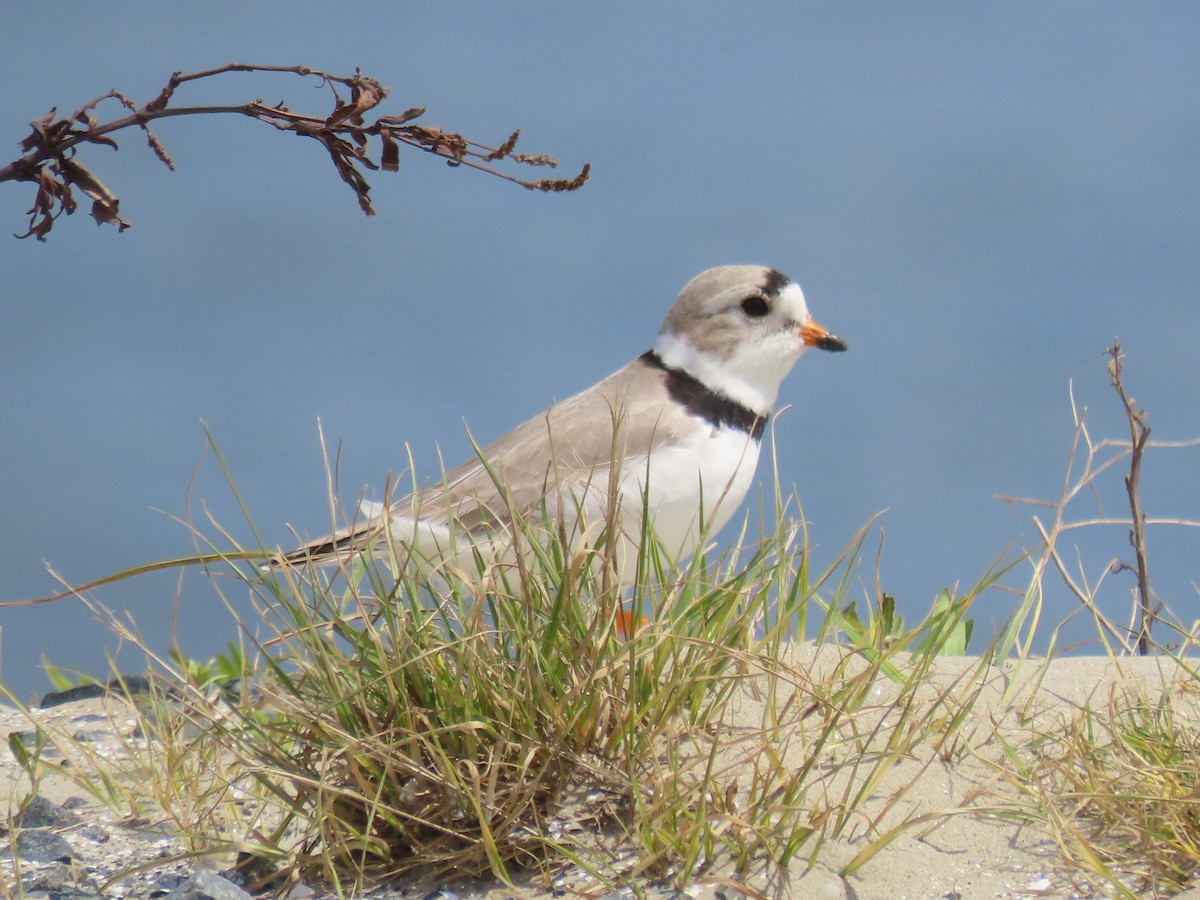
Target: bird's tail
337,547
378,530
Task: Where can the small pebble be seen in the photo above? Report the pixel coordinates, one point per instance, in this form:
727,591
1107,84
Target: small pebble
41,845
41,813
91,735
206,885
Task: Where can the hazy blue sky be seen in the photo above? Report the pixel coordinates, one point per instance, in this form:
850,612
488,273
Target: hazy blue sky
978,197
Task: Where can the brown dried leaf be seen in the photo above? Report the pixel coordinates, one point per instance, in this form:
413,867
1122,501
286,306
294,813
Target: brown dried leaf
353,154
105,212
343,160
105,202
51,193
389,157
341,112
103,139
38,229
77,173
435,140
45,131
407,116
365,93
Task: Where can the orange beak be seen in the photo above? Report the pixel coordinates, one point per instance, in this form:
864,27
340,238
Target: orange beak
816,335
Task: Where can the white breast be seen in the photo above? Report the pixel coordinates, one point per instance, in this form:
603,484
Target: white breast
699,480
716,464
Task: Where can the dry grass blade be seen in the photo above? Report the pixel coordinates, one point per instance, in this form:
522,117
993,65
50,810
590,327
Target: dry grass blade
1119,787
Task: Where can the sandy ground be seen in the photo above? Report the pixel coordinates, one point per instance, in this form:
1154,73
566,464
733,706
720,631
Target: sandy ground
957,855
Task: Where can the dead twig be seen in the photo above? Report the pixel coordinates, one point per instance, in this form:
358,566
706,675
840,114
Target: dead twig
51,162
1087,461
1139,433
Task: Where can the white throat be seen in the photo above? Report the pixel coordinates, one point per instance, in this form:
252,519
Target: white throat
739,378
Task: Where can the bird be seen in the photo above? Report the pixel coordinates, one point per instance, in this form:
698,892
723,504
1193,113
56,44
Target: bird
671,440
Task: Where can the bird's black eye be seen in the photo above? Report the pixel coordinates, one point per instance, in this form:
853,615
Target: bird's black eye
755,307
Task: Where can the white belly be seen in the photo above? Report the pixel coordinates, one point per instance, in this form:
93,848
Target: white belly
697,484
695,487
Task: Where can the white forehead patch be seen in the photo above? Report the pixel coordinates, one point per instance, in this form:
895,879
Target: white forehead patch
790,302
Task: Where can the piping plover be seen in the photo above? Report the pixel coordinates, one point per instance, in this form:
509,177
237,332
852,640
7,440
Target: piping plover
675,433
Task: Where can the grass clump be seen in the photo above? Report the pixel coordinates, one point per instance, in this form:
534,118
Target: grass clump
495,725
1117,784
375,723
515,720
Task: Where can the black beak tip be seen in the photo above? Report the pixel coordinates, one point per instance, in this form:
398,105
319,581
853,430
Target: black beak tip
832,343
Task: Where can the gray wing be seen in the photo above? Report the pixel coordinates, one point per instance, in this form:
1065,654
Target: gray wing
566,448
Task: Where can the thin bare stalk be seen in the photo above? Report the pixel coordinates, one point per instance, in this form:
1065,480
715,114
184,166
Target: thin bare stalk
1139,433
1089,460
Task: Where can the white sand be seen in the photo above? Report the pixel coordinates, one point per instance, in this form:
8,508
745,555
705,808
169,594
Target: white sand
966,853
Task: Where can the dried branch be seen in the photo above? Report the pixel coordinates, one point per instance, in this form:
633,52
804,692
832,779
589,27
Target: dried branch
1139,433
50,149
1087,461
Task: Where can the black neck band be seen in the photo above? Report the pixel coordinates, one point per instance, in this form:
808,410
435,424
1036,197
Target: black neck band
700,400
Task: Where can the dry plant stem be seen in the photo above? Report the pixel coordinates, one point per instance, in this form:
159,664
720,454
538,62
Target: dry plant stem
50,149
1087,461
1139,433
1093,466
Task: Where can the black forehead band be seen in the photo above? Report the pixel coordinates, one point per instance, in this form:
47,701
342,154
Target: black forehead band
775,282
